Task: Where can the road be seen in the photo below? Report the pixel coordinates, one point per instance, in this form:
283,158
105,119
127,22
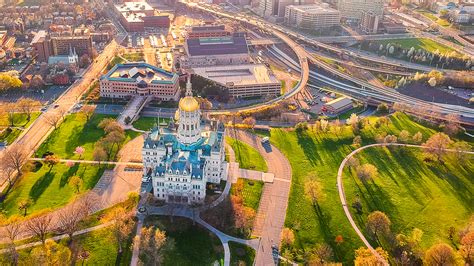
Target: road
274,201
342,195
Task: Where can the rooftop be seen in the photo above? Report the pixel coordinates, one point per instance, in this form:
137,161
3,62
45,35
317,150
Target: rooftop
313,8
339,102
208,28
238,75
217,46
39,36
133,7
140,72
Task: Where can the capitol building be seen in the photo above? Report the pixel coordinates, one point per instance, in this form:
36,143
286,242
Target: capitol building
181,158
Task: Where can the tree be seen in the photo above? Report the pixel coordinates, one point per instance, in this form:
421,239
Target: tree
99,154
23,205
339,239
356,142
12,228
250,122
404,135
37,82
51,253
382,108
366,172
352,162
313,191
364,257
453,124
390,139
378,222
88,111
287,236
76,182
14,157
437,145
440,254
69,217
122,225
79,151
10,109
109,125
322,254
52,119
418,137
27,106
460,149
467,247
39,226
51,161
324,125
153,243
353,121
9,81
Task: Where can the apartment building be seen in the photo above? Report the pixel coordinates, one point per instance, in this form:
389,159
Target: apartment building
314,16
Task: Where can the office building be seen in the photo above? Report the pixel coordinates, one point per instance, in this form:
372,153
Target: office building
207,31
247,80
179,160
130,79
45,45
352,10
41,46
139,16
314,16
369,22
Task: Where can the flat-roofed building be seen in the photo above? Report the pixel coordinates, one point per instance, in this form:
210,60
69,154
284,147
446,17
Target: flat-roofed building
61,45
314,16
242,80
353,9
137,16
41,46
338,105
130,79
369,22
207,31
229,50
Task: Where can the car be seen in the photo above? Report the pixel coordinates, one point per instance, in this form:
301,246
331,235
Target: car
56,106
265,140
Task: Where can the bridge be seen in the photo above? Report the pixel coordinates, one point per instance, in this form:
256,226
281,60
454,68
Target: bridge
263,42
358,38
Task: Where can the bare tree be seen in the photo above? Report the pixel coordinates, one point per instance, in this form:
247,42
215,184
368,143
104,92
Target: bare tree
12,229
437,144
14,157
453,124
88,111
39,226
69,219
89,202
27,106
10,109
52,119
440,254
99,154
366,172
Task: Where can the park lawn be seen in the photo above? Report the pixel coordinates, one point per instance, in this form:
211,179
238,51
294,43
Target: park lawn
428,196
193,244
247,156
316,155
134,57
251,192
147,123
10,135
420,43
49,189
103,249
241,255
76,131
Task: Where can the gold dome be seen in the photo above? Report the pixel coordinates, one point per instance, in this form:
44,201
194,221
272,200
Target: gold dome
176,115
188,104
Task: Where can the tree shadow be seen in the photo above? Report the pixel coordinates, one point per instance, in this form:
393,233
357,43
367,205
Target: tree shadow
41,185
309,147
73,140
68,174
324,220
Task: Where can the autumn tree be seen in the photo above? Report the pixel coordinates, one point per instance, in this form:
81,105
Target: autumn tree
408,251
440,254
452,125
366,172
467,247
250,122
356,142
287,236
76,183
87,111
313,192
9,81
12,230
153,243
378,223
51,161
122,226
39,226
404,136
321,254
23,205
51,253
53,119
10,109
27,106
352,162
417,137
365,257
437,144
339,239
460,153
110,125
382,108
243,216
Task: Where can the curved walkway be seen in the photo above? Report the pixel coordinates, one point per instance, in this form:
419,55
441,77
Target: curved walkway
342,194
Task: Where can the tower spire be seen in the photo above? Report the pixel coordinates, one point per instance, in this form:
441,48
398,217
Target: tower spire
189,91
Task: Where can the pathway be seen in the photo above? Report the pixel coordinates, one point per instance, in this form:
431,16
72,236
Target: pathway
274,201
342,195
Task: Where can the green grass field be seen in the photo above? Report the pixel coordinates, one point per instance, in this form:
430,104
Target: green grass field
251,192
431,197
10,135
49,189
315,155
134,57
247,156
420,43
194,245
76,131
147,123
